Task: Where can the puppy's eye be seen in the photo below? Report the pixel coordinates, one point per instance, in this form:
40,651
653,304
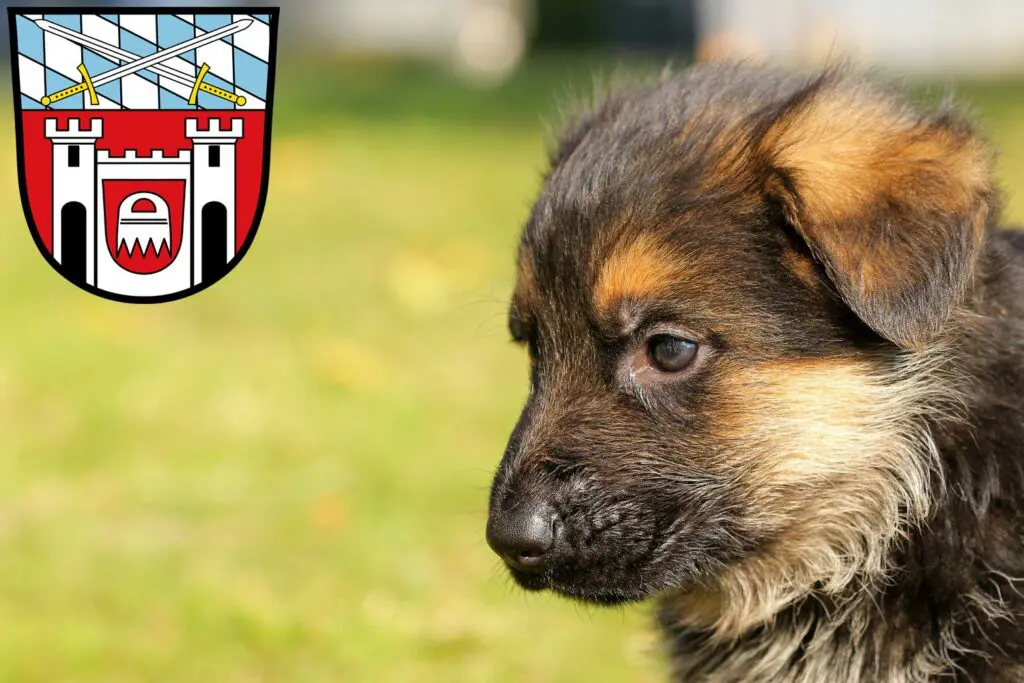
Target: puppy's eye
670,353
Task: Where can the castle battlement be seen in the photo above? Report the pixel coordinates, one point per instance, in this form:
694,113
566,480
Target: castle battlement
74,131
214,132
132,156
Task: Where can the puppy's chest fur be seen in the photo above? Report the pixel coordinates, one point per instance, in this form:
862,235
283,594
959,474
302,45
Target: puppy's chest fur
804,645
911,632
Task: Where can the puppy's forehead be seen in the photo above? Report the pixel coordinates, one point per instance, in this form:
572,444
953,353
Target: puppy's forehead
640,139
691,265
643,194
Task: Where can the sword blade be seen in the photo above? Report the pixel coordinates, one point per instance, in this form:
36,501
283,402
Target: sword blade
112,52
173,51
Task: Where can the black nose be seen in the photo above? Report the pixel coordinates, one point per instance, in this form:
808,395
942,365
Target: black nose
523,535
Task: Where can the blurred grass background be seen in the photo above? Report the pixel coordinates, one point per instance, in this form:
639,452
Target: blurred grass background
285,478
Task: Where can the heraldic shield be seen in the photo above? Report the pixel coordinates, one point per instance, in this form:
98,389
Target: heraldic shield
143,142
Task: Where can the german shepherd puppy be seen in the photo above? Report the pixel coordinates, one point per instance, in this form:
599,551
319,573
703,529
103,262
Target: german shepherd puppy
777,346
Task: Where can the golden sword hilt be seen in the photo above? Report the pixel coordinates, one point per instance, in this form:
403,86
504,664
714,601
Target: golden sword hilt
85,85
200,85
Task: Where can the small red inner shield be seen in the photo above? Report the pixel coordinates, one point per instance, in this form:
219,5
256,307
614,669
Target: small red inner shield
144,222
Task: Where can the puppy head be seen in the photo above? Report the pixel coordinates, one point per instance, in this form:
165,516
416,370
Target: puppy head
733,290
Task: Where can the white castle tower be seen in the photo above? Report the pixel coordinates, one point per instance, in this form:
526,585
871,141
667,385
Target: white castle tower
80,174
213,183
74,182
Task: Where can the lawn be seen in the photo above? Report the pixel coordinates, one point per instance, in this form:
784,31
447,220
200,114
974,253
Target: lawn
285,477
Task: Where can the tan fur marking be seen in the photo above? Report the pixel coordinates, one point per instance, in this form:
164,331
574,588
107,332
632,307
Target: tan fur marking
639,268
834,456
813,411
846,149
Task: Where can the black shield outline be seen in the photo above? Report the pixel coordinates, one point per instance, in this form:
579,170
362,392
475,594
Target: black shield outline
275,18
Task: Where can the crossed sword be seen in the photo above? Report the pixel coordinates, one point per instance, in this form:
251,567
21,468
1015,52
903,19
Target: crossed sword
133,63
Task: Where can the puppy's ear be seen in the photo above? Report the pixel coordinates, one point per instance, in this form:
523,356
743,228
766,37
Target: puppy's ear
895,205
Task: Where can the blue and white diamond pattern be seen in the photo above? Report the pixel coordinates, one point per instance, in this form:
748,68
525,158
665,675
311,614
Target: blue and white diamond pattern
238,63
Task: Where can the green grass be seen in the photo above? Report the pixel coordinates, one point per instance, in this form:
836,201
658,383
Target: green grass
285,477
